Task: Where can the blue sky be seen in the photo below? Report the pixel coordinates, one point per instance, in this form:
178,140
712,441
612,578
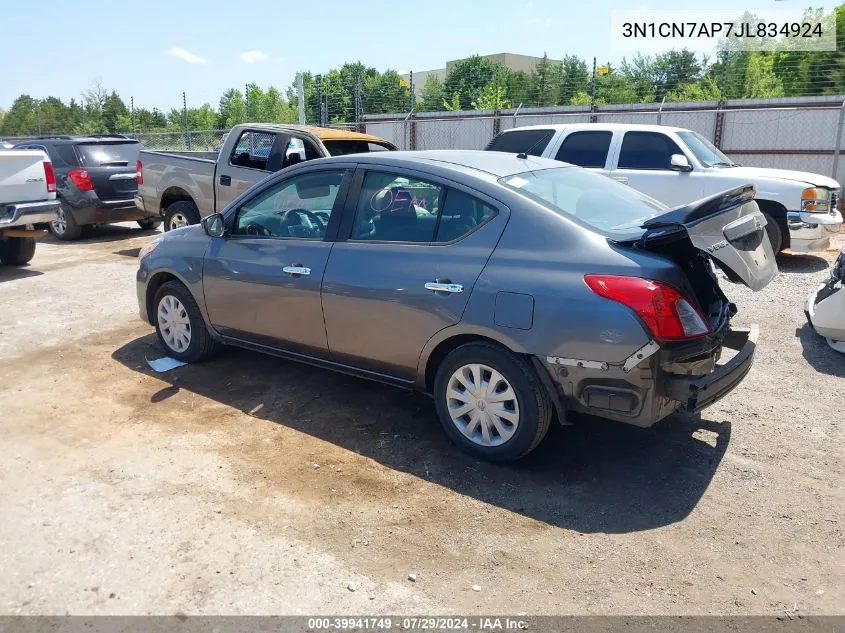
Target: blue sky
153,50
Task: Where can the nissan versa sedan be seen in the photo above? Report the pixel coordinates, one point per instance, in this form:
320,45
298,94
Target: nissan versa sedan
513,289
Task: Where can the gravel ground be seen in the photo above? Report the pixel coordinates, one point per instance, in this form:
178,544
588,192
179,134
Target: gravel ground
253,485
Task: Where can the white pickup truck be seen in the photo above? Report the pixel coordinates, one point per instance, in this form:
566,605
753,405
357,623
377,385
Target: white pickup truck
677,166
27,202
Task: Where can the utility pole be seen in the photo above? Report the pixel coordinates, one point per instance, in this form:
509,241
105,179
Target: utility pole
38,114
593,86
246,99
132,110
413,98
300,97
185,118
319,79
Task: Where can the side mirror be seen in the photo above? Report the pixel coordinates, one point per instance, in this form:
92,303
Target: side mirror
679,162
213,225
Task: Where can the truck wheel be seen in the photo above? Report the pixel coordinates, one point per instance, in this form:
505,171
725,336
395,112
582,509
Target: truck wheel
774,233
15,251
179,214
149,224
65,227
179,324
491,403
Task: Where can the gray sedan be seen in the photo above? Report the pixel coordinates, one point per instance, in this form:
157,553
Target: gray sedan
513,289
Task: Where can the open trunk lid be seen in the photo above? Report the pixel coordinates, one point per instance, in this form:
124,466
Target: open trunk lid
728,227
113,167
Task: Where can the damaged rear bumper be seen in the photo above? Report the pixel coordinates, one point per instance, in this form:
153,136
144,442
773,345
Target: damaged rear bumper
697,393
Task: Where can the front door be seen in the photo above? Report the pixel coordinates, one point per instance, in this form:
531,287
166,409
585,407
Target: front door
255,155
262,281
644,163
414,251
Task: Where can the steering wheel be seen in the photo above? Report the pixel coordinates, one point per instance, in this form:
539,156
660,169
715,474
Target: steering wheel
312,217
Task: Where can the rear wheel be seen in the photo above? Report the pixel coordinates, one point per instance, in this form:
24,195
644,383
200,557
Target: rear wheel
179,324
774,232
149,224
64,226
179,214
491,403
15,251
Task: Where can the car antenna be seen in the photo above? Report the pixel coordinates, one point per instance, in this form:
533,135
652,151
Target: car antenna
530,149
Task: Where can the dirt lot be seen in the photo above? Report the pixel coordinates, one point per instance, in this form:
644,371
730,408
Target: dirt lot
253,485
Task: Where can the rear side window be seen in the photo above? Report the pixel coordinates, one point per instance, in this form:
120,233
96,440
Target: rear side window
342,148
63,156
252,150
585,149
521,141
108,154
647,150
461,215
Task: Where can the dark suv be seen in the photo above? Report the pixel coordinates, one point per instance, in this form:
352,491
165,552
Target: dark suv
97,179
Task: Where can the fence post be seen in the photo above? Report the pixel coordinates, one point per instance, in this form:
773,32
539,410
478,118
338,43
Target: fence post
660,111
300,98
837,148
720,124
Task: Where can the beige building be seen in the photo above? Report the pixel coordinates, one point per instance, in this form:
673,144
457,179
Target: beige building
513,61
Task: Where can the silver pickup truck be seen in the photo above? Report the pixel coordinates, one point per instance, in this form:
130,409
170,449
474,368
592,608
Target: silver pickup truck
27,202
185,187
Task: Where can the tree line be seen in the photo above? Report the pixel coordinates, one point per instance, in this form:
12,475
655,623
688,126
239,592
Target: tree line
343,95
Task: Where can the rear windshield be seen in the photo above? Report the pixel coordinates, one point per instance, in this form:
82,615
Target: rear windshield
108,154
595,201
342,148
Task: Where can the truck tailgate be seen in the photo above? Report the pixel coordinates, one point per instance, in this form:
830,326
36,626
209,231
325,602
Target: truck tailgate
22,177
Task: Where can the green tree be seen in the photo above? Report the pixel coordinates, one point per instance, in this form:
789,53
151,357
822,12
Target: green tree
432,95
545,83
492,98
704,90
517,85
21,119
454,105
93,100
202,118
574,78
468,78
113,109
231,110
760,79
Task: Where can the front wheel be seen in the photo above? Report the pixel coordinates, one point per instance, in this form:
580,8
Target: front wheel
16,251
774,233
179,214
491,403
179,324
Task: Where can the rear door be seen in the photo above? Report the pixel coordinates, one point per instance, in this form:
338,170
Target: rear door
729,228
414,247
113,168
254,156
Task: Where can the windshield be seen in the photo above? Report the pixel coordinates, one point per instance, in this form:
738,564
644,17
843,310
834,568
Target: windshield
601,204
109,154
707,153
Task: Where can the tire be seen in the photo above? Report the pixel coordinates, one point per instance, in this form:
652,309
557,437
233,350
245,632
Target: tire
175,298
774,232
65,228
179,214
15,251
149,225
531,403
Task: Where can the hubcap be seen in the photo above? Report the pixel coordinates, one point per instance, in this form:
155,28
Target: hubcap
482,405
60,223
178,220
174,323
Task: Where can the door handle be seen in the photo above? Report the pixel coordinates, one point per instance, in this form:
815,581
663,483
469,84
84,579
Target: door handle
225,180
450,288
622,179
297,270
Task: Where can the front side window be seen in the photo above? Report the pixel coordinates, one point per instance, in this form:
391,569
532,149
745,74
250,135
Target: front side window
585,149
647,150
299,207
607,207
252,150
395,208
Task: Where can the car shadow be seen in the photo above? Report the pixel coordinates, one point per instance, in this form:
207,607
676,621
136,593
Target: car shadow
595,476
816,352
105,233
10,273
129,252
801,263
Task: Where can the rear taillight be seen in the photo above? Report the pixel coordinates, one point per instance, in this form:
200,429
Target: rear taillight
139,173
82,179
50,176
668,314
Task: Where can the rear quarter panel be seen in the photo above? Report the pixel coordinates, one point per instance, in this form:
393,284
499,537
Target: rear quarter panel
168,172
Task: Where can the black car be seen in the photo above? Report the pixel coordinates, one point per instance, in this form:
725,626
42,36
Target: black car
97,179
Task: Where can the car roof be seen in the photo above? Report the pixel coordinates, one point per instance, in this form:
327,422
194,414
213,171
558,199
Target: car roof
631,127
322,133
495,164
67,140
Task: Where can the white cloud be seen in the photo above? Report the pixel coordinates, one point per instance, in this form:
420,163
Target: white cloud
251,57
186,56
